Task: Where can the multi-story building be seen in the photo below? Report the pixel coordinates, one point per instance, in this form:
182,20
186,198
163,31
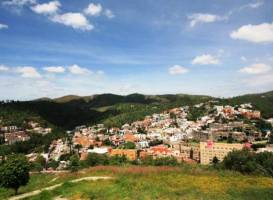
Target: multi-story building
209,150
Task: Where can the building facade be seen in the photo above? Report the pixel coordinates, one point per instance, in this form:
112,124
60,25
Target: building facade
209,150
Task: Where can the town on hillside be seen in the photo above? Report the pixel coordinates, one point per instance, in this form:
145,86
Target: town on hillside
203,133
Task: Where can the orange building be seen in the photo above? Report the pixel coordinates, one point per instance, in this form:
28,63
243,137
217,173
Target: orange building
86,142
129,137
160,149
131,154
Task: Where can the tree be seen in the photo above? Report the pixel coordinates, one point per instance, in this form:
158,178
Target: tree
242,161
52,164
230,138
74,163
129,145
78,147
215,160
94,159
41,160
14,172
118,160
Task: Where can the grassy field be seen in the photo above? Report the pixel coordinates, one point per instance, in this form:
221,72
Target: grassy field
151,183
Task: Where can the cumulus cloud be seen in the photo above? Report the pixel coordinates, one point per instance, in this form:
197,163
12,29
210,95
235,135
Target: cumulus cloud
200,18
28,72
74,20
18,2
47,8
108,13
258,68
93,9
205,59
54,69
4,68
76,69
262,33
3,26
177,69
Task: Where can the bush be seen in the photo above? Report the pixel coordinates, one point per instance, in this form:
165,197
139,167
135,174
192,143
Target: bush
52,164
247,162
163,161
118,160
241,161
256,146
74,163
129,145
94,159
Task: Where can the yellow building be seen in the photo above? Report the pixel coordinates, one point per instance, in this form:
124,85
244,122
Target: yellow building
209,150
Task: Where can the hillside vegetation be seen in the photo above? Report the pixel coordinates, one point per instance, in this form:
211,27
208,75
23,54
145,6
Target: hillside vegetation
70,111
188,182
262,102
113,110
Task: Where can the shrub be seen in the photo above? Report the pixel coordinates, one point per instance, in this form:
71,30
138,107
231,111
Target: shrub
74,164
247,162
94,159
118,160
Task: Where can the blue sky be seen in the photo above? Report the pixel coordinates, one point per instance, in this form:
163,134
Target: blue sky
216,47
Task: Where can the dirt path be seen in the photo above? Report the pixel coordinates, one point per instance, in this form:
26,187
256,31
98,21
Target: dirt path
36,192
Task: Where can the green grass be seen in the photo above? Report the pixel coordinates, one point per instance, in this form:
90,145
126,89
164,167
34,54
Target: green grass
142,183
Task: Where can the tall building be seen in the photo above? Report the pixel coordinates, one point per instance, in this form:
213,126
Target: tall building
209,150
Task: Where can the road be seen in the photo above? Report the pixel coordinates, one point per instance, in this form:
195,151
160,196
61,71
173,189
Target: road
36,192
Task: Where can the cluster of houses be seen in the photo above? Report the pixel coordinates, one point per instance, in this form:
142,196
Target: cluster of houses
13,134
170,133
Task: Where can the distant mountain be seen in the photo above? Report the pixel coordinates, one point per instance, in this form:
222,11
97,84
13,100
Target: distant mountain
114,110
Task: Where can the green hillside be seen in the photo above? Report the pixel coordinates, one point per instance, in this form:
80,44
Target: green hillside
70,111
114,110
262,102
128,182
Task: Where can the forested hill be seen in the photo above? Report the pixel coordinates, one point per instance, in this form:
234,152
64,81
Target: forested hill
262,102
113,110
70,111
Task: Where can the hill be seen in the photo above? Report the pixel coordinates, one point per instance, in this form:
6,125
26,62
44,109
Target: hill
69,111
262,102
114,110
128,182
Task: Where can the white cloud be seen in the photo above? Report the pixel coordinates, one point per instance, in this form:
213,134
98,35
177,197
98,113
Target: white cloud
108,13
28,72
47,8
3,26
258,68
4,68
254,5
205,59
18,2
177,69
75,20
100,72
260,80
262,33
93,9
200,18
76,69
243,58
54,69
